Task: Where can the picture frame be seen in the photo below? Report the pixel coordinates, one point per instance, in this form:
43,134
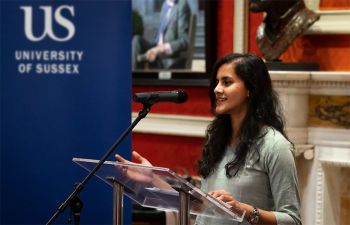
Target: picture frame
187,76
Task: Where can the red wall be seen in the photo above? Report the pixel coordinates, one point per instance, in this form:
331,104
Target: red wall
331,52
173,152
224,27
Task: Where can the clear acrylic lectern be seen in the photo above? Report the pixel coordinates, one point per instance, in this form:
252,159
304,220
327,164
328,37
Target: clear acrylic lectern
160,188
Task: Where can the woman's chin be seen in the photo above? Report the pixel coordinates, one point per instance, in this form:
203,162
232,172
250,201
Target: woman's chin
219,111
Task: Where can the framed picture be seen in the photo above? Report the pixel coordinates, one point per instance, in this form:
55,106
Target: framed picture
335,17
192,64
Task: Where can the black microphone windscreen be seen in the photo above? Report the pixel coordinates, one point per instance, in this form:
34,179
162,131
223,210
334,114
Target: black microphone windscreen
182,96
177,96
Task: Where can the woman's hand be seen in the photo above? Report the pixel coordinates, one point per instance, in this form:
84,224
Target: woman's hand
137,174
139,159
266,217
228,199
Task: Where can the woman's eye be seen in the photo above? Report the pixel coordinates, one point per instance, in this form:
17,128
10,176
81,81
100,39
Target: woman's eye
227,82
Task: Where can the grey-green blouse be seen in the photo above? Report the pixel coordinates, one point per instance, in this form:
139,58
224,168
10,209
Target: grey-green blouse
269,184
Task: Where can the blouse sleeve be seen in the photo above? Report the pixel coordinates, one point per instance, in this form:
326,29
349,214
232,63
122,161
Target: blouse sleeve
283,179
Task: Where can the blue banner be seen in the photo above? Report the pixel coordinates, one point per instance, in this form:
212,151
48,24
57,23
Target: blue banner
65,92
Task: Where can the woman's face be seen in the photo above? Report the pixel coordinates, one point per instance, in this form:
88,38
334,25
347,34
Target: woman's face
230,92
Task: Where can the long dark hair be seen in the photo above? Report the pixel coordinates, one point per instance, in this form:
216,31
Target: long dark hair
263,110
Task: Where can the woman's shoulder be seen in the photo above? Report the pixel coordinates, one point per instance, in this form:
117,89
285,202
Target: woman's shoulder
277,152
274,140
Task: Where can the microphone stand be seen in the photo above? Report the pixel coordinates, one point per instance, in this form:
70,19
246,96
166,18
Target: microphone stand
80,186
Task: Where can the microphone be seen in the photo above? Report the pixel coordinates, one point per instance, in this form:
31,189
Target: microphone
177,96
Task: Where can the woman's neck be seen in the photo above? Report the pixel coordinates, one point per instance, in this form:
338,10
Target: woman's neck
236,124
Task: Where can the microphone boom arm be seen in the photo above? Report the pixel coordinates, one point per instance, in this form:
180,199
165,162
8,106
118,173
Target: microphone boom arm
80,186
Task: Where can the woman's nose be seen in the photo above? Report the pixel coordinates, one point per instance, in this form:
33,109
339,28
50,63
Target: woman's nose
218,88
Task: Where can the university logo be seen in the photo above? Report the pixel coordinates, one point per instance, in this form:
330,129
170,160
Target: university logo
48,22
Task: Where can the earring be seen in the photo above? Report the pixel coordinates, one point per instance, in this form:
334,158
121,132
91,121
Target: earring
248,95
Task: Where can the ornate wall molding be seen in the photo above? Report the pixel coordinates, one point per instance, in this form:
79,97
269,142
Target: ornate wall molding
165,124
320,182
240,28
337,138
330,83
291,81
330,160
331,22
307,151
334,156
314,83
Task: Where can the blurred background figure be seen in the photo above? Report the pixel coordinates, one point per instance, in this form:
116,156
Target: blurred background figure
285,20
168,48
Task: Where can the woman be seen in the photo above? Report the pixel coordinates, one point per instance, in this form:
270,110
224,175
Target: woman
247,161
